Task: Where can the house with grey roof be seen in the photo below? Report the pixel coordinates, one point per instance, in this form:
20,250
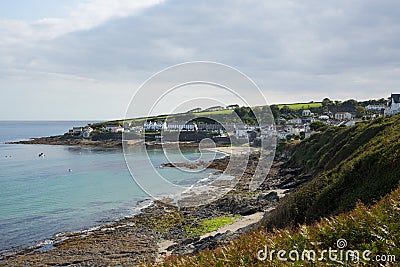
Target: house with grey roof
393,105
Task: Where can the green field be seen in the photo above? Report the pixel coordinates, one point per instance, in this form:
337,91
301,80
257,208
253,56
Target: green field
297,106
197,114
218,112
294,106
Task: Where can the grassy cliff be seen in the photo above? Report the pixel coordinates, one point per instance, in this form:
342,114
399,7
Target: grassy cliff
375,228
353,194
347,164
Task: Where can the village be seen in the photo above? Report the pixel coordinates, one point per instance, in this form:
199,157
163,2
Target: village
290,123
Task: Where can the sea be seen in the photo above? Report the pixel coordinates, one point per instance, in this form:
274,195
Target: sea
70,188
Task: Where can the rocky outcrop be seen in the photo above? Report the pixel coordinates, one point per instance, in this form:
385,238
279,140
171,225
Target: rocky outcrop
72,141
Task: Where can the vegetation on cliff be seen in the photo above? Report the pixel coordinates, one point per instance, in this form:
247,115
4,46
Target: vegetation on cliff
353,195
347,164
375,229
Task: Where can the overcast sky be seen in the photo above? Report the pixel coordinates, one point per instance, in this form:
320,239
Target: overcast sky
85,59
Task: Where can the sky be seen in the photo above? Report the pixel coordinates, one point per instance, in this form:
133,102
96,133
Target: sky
84,60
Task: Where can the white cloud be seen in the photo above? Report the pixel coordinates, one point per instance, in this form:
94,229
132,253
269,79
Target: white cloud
86,16
295,51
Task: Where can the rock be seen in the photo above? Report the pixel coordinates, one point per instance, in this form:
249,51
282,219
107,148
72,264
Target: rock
190,240
247,210
272,196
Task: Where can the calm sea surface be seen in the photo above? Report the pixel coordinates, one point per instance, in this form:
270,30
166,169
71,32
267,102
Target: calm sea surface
40,197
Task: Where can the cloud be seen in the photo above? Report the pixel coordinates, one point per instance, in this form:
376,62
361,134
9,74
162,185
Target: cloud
295,51
87,15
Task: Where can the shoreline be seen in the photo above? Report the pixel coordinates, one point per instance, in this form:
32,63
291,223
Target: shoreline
48,243
56,140
159,229
107,143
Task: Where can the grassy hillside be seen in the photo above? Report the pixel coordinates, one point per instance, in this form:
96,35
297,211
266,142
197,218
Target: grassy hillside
354,194
220,114
298,106
375,228
348,164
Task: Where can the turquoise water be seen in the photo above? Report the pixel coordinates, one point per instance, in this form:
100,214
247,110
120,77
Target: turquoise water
71,188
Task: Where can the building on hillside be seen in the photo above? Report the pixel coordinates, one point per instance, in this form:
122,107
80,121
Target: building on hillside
375,107
324,118
341,116
306,113
127,125
195,110
210,127
244,131
350,123
307,120
289,130
241,133
87,131
77,129
393,105
114,128
232,106
136,129
155,126
215,108
294,121
181,127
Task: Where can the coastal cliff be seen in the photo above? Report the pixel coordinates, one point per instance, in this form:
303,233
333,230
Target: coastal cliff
106,140
351,195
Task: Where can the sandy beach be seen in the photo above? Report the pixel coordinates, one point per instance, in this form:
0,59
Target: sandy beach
229,150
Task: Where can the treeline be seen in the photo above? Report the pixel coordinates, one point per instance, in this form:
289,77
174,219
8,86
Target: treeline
358,108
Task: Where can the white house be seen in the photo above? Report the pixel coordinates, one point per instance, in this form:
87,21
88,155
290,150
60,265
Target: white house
216,108
350,123
232,106
375,107
210,127
86,132
136,129
295,121
127,125
155,126
323,118
341,116
195,110
77,129
181,127
241,133
306,113
282,135
393,105
114,128
283,132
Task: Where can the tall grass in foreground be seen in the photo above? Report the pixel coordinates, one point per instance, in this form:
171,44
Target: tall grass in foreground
375,228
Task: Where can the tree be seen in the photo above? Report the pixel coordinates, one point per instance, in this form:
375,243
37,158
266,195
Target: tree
326,102
285,110
317,125
360,111
275,112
